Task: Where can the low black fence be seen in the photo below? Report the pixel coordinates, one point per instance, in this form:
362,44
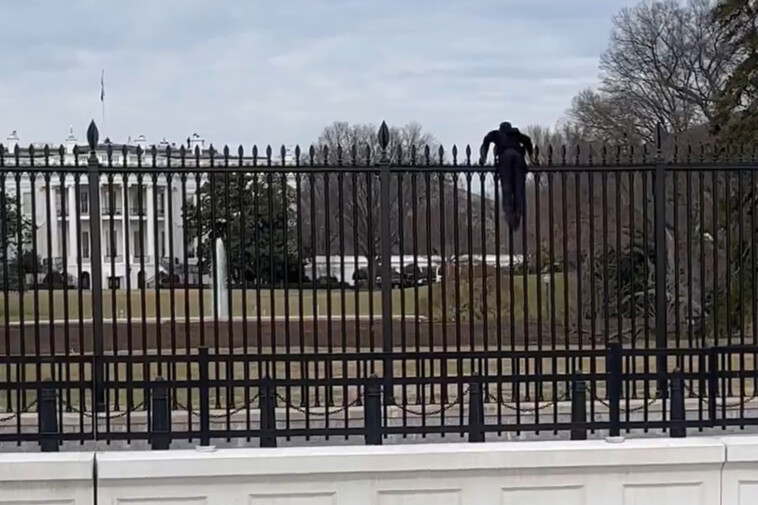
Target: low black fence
209,404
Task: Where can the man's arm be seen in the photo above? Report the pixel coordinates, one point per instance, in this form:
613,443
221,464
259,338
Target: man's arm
527,143
490,138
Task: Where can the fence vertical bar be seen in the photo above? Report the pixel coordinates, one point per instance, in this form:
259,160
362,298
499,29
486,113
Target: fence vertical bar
659,210
48,418
160,427
203,372
476,410
372,411
267,406
386,262
93,186
615,378
678,426
713,385
578,407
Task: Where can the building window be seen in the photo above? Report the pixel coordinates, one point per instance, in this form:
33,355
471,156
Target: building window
114,282
26,204
85,244
161,203
84,202
138,245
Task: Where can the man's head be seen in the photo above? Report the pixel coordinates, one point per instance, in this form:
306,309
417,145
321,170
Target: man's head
505,126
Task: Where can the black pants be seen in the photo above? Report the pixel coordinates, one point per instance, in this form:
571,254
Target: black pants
512,170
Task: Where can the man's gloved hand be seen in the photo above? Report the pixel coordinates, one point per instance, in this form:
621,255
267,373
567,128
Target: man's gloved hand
482,161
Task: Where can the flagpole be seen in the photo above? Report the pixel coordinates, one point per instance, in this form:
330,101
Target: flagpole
102,95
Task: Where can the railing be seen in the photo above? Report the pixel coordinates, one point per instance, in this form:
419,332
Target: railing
632,305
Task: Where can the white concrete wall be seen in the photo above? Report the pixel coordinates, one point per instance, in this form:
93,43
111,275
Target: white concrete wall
46,479
695,471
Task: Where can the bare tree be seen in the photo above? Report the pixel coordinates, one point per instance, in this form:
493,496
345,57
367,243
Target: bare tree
665,63
345,211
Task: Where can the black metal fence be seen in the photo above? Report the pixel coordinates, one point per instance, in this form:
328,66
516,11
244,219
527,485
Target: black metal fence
373,292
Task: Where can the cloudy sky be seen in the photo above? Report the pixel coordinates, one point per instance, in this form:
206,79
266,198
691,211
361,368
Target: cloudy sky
255,71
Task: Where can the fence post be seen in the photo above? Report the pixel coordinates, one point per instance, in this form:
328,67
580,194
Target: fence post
578,407
678,426
161,420
713,383
267,406
48,418
659,211
372,411
613,365
93,188
476,410
385,209
205,402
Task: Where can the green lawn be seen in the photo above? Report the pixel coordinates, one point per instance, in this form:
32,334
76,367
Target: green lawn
408,301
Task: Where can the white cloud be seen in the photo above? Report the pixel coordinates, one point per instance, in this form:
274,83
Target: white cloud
277,72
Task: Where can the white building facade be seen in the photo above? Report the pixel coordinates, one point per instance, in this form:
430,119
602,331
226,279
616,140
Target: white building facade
141,221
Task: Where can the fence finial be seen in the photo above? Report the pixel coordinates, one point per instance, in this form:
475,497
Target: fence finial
92,135
384,135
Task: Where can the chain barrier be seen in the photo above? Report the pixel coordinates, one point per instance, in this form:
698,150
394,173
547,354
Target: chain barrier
91,415
326,413
644,406
14,415
528,410
225,414
443,408
729,406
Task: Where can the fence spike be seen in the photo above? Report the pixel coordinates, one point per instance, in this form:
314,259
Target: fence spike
537,155
269,152
283,154
297,155
384,135
354,154
578,153
240,153
455,155
549,155
399,154
441,154
92,135
368,155
427,154
339,154
413,154
61,153
325,154
618,154
564,151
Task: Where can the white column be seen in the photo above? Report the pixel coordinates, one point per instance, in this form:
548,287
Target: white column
150,223
125,218
72,235
54,246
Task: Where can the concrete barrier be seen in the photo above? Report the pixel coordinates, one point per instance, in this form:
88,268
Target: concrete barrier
649,472
740,474
47,479
702,471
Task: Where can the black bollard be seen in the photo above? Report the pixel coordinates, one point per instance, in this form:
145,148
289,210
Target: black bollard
678,424
713,383
161,420
267,406
476,411
372,411
613,365
578,407
48,419
205,402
